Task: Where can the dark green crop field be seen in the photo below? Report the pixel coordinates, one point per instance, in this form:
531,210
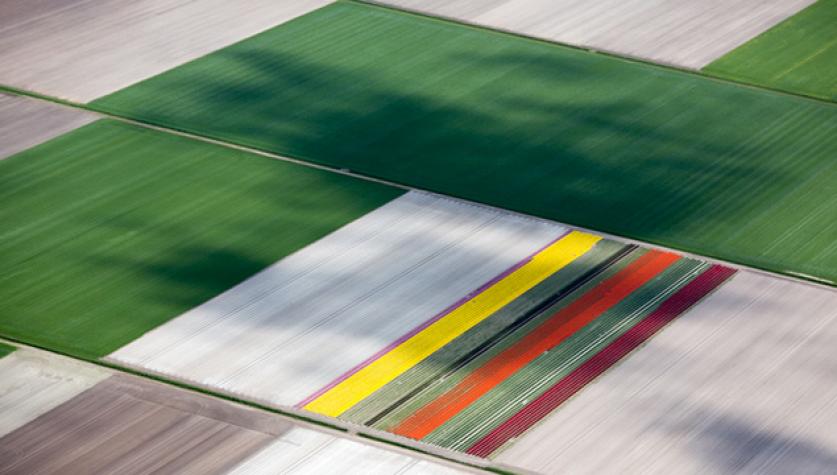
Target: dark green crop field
650,153
5,349
798,55
111,230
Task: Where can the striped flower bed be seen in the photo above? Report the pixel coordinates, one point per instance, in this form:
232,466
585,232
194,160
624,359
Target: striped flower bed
485,371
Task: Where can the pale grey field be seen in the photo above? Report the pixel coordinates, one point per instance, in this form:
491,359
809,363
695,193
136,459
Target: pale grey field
745,382
684,33
26,122
304,451
32,383
58,415
81,49
290,330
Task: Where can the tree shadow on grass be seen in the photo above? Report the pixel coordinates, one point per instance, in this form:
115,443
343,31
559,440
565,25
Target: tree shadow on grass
555,135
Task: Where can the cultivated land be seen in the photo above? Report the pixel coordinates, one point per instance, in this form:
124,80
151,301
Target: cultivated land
33,383
285,333
799,55
668,157
130,426
72,417
80,50
303,451
435,320
442,321
26,122
112,229
678,32
744,382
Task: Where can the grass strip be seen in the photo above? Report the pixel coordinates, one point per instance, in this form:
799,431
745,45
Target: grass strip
798,55
6,349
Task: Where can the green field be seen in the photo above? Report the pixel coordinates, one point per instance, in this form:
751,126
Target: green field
113,229
798,55
5,349
664,156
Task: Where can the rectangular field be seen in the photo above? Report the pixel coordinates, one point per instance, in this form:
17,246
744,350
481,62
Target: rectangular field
81,50
300,324
113,229
798,55
683,33
663,156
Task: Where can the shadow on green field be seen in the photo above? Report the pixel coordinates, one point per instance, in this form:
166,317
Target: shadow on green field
626,148
112,230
